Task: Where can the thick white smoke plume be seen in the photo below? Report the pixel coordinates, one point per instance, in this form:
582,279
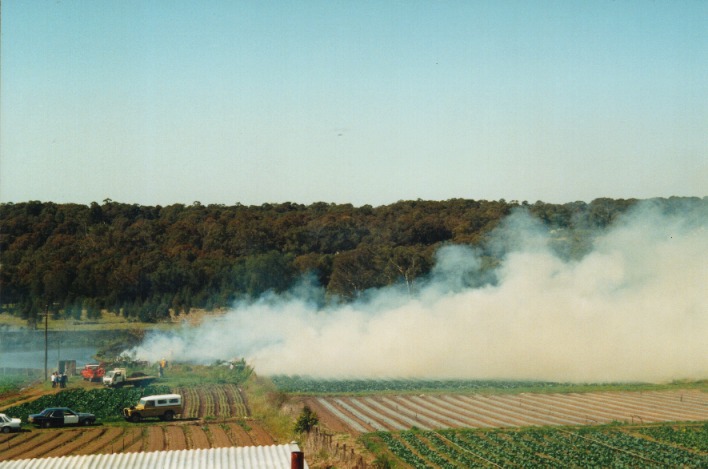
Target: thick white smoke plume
633,309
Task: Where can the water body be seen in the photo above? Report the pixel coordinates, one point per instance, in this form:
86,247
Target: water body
25,348
35,358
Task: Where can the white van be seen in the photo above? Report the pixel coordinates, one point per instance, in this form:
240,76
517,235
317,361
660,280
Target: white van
163,406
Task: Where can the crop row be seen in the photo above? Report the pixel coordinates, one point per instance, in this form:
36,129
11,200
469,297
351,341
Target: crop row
668,445
105,403
222,401
307,385
108,439
695,437
214,401
190,402
391,412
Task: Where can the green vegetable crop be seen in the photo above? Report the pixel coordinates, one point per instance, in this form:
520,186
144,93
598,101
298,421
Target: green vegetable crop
104,403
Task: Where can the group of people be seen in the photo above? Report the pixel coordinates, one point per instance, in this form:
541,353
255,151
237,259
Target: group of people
59,379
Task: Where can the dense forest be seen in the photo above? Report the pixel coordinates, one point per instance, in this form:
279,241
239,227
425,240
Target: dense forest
143,261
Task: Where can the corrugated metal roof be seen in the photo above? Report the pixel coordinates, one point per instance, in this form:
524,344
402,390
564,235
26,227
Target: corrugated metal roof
241,457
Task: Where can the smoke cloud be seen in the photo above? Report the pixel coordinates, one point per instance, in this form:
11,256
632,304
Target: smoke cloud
634,308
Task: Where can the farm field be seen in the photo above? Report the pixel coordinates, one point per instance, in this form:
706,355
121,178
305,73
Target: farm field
680,445
307,385
104,439
215,415
506,428
213,401
363,414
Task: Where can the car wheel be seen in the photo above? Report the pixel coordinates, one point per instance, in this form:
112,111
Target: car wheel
46,424
6,429
169,415
135,418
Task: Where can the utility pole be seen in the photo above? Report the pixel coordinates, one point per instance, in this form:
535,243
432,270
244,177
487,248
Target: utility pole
46,340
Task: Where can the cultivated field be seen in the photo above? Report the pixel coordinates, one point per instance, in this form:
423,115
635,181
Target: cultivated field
681,445
213,401
632,429
510,427
362,414
106,439
215,415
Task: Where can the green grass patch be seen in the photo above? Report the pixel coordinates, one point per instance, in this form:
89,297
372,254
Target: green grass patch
13,383
182,374
260,393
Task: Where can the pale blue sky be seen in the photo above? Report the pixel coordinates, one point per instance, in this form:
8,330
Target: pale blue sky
161,102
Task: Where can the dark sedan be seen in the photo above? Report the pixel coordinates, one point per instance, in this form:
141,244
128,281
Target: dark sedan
60,416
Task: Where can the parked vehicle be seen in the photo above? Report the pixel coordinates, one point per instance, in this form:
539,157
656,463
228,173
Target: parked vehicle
8,424
119,377
93,372
60,416
162,406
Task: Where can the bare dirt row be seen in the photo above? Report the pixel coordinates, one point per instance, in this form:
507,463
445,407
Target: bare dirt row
124,439
427,412
214,416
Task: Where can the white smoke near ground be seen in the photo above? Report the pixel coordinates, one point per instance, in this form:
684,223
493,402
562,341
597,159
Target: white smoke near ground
635,308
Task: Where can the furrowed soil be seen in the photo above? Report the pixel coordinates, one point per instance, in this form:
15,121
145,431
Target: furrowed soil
175,437
360,414
197,437
217,416
218,420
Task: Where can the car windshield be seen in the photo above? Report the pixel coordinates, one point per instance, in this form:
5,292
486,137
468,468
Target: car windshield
110,374
4,419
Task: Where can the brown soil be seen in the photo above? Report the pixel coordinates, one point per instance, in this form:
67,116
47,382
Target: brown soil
46,445
14,447
84,438
145,437
202,405
259,434
327,420
239,436
5,439
476,411
232,397
109,442
156,439
176,439
190,406
219,438
28,395
197,437
135,442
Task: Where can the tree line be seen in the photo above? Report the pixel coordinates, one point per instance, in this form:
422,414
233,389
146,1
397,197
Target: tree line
143,261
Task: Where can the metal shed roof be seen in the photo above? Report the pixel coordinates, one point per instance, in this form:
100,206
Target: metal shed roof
241,457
